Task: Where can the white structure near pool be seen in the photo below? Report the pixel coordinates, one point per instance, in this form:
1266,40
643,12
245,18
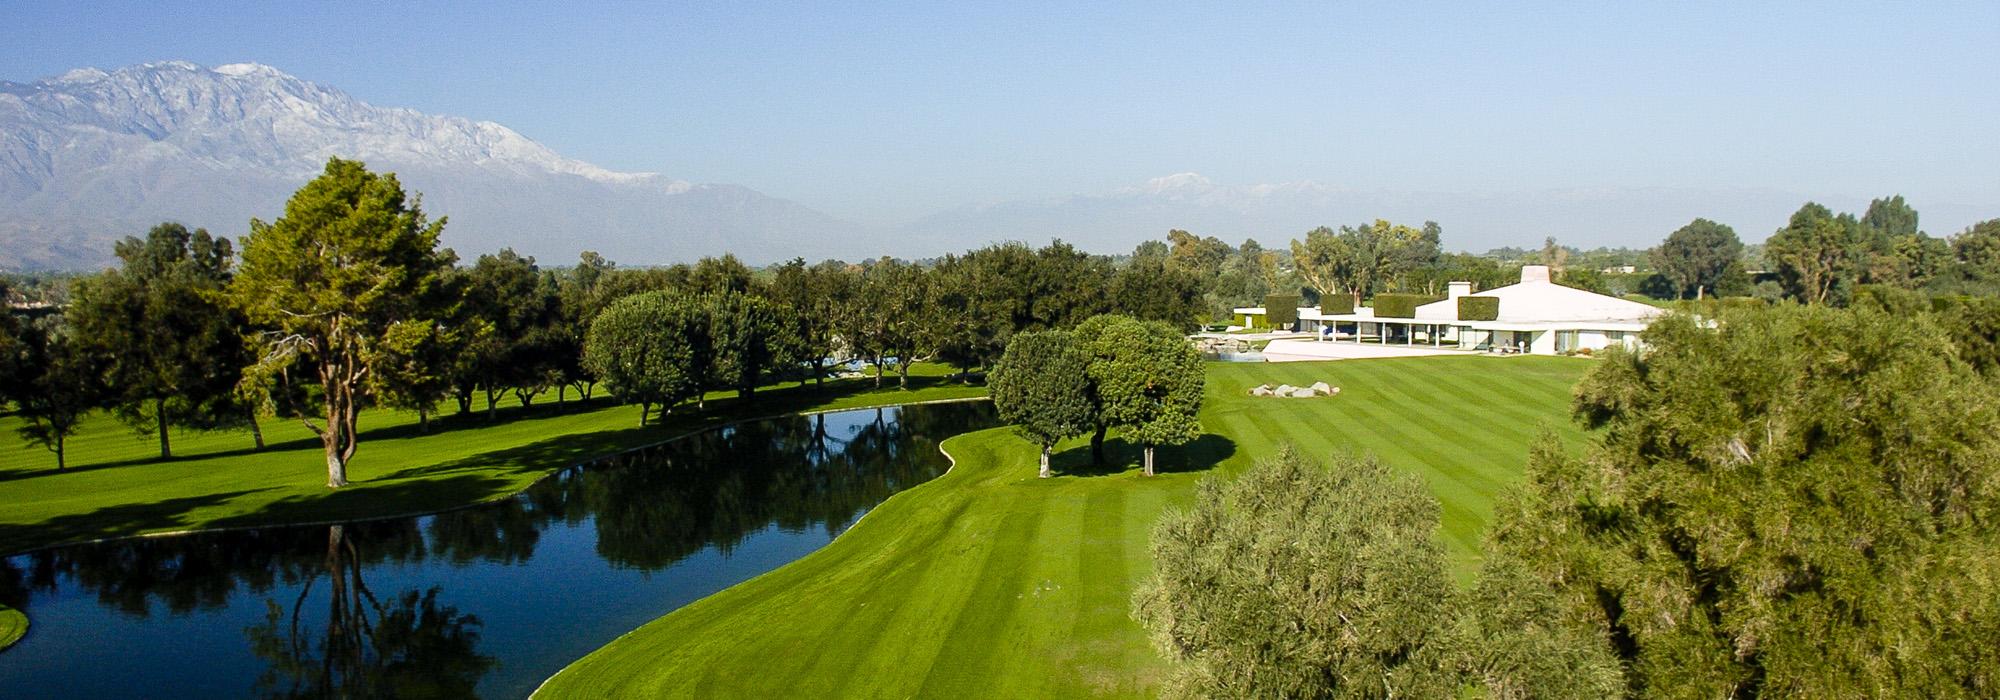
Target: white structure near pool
1535,316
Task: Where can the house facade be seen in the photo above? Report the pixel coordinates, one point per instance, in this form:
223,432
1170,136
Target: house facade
1533,316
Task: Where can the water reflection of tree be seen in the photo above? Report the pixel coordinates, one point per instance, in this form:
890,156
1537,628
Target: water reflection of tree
196,572
408,646
650,512
719,488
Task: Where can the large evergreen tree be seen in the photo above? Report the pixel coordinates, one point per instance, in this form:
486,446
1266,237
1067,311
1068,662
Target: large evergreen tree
1696,256
352,260
1817,254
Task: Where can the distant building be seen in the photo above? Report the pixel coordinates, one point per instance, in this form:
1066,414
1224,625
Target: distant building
1535,316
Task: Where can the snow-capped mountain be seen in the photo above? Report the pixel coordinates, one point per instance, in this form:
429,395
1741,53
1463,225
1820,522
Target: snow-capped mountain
92,156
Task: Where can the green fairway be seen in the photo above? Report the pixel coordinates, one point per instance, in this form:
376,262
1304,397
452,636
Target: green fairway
988,582
13,625
115,485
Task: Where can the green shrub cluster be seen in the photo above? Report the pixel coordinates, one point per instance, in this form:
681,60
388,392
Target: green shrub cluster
1336,304
1477,308
1281,310
1399,305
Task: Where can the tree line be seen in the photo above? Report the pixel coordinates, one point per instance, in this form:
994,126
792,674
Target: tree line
348,301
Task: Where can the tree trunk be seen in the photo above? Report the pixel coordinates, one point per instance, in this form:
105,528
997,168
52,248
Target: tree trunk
336,468
424,420
903,374
160,415
562,396
1697,292
256,431
335,437
819,373
1045,463
645,407
1149,460
492,400
60,464
1097,446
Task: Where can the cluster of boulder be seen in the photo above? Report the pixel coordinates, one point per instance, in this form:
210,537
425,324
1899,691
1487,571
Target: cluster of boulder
1296,392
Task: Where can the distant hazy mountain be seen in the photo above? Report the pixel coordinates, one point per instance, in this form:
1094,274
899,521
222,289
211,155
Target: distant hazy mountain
1116,221
92,156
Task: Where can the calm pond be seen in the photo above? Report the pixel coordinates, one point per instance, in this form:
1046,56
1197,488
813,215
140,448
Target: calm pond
486,601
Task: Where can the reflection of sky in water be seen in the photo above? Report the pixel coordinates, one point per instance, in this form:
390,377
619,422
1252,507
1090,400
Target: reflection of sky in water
572,592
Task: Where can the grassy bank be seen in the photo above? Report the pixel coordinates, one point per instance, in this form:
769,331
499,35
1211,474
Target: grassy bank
988,582
116,486
13,625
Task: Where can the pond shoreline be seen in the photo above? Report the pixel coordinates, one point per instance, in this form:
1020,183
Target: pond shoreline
484,501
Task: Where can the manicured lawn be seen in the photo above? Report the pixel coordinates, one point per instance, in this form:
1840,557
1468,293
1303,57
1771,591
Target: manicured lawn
988,582
115,486
13,625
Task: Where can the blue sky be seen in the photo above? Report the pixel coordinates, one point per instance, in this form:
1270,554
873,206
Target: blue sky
887,112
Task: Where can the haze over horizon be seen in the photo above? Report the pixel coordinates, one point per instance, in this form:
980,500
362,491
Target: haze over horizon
893,117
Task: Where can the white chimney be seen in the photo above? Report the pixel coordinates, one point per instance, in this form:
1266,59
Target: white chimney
1457,289
1534,273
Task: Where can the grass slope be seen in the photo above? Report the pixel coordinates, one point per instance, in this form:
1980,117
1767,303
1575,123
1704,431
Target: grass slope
13,626
988,582
116,486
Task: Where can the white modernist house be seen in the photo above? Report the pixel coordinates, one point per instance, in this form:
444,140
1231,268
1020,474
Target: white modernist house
1536,316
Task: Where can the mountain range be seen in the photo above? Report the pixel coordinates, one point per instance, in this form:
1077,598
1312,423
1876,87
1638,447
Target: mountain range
91,156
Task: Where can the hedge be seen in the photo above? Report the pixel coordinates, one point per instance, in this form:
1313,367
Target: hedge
1478,308
1336,304
1399,305
1281,310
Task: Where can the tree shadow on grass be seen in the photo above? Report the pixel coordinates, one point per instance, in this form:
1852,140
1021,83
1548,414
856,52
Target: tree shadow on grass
1122,455
373,500
771,400
109,521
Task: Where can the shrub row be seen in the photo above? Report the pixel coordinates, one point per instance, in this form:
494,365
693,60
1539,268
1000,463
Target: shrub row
1336,304
1399,305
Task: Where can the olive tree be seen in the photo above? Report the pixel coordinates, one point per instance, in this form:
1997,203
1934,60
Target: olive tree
745,332
1297,580
1794,501
651,349
352,260
1041,386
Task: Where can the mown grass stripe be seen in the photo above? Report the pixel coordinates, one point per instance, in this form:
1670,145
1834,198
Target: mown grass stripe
1084,644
